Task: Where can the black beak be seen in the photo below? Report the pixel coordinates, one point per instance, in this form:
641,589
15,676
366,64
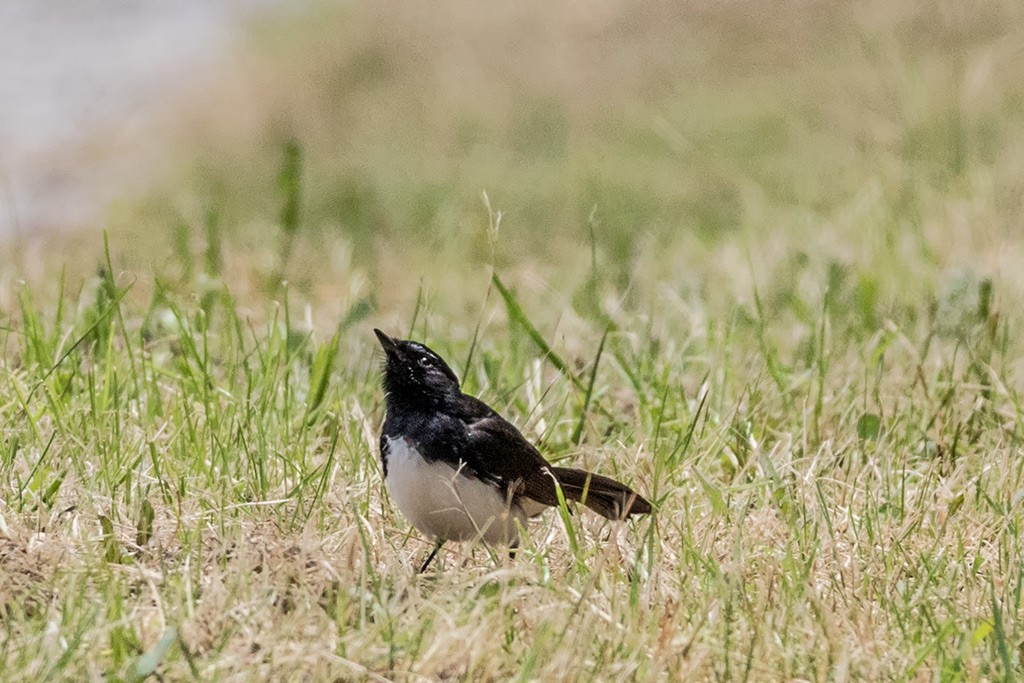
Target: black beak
386,342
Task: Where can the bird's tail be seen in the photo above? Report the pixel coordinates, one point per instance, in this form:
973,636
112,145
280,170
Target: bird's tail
605,496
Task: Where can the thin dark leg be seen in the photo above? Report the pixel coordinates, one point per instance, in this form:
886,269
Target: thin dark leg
430,557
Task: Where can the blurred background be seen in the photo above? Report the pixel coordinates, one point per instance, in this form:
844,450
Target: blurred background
389,144
85,86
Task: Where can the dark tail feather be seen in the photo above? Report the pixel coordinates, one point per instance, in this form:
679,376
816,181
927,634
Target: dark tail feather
605,496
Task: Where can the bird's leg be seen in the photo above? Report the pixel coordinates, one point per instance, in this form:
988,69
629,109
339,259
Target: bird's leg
430,557
513,549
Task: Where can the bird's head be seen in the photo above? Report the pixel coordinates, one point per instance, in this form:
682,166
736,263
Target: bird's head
415,374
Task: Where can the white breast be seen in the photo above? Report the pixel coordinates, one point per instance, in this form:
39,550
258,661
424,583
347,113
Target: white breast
446,504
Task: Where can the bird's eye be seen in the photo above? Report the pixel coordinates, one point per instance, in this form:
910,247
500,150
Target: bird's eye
425,361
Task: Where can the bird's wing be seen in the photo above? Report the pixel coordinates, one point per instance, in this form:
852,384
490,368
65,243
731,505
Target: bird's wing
469,409
496,450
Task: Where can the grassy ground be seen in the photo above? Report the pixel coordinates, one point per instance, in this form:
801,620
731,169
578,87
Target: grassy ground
763,262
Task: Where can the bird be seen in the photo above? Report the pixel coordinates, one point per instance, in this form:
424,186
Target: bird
459,471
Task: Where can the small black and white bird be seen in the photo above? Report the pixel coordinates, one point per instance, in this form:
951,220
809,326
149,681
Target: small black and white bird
459,471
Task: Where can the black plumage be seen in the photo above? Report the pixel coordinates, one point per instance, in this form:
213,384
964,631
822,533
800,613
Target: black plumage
428,415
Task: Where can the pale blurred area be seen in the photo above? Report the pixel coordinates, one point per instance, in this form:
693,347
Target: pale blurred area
709,129
83,87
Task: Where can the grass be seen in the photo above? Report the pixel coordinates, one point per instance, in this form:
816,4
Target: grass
763,265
